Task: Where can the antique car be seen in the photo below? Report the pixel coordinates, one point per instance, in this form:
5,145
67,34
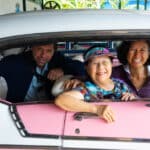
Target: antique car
41,124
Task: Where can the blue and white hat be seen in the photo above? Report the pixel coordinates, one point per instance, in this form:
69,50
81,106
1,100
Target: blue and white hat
97,51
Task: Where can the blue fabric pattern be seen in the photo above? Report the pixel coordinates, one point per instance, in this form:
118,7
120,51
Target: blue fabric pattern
92,92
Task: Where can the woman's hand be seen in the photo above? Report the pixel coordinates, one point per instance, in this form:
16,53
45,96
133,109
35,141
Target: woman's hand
127,96
105,112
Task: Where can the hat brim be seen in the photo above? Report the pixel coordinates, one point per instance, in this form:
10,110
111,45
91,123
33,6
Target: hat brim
110,55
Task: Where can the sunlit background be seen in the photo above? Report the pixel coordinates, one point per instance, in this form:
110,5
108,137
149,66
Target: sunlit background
16,6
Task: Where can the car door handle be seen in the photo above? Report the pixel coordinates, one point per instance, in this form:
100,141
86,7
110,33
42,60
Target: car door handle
84,115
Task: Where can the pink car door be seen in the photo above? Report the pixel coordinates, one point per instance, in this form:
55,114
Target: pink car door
31,125
132,123
41,119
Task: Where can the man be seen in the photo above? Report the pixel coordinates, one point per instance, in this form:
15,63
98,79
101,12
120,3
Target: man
30,75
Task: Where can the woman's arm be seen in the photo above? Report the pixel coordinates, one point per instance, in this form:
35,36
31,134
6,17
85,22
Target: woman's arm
73,101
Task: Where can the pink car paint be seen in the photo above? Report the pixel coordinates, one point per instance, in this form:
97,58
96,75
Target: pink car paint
42,118
130,120
45,126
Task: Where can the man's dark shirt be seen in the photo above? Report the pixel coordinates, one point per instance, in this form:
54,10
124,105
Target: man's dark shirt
18,71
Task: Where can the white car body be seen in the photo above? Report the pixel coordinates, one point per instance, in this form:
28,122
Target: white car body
88,22
22,29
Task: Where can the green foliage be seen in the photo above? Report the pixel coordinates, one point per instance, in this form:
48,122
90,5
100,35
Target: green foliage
116,4
79,4
92,4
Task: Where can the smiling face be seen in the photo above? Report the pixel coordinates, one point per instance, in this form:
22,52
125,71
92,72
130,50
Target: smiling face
99,69
43,54
138,54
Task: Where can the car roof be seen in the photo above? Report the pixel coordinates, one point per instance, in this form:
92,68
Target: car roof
75,24
73,20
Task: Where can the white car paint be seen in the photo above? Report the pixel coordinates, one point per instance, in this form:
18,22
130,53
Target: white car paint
66,24
117,21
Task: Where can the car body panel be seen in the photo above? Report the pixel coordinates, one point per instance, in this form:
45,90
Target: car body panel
40,125
11,133
51,124
125,125
124,133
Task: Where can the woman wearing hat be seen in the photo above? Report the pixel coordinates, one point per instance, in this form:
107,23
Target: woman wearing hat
99,85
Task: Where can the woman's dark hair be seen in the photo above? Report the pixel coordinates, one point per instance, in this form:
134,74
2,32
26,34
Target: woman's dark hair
123,49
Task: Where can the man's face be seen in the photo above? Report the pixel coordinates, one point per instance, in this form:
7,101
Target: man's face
42,54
